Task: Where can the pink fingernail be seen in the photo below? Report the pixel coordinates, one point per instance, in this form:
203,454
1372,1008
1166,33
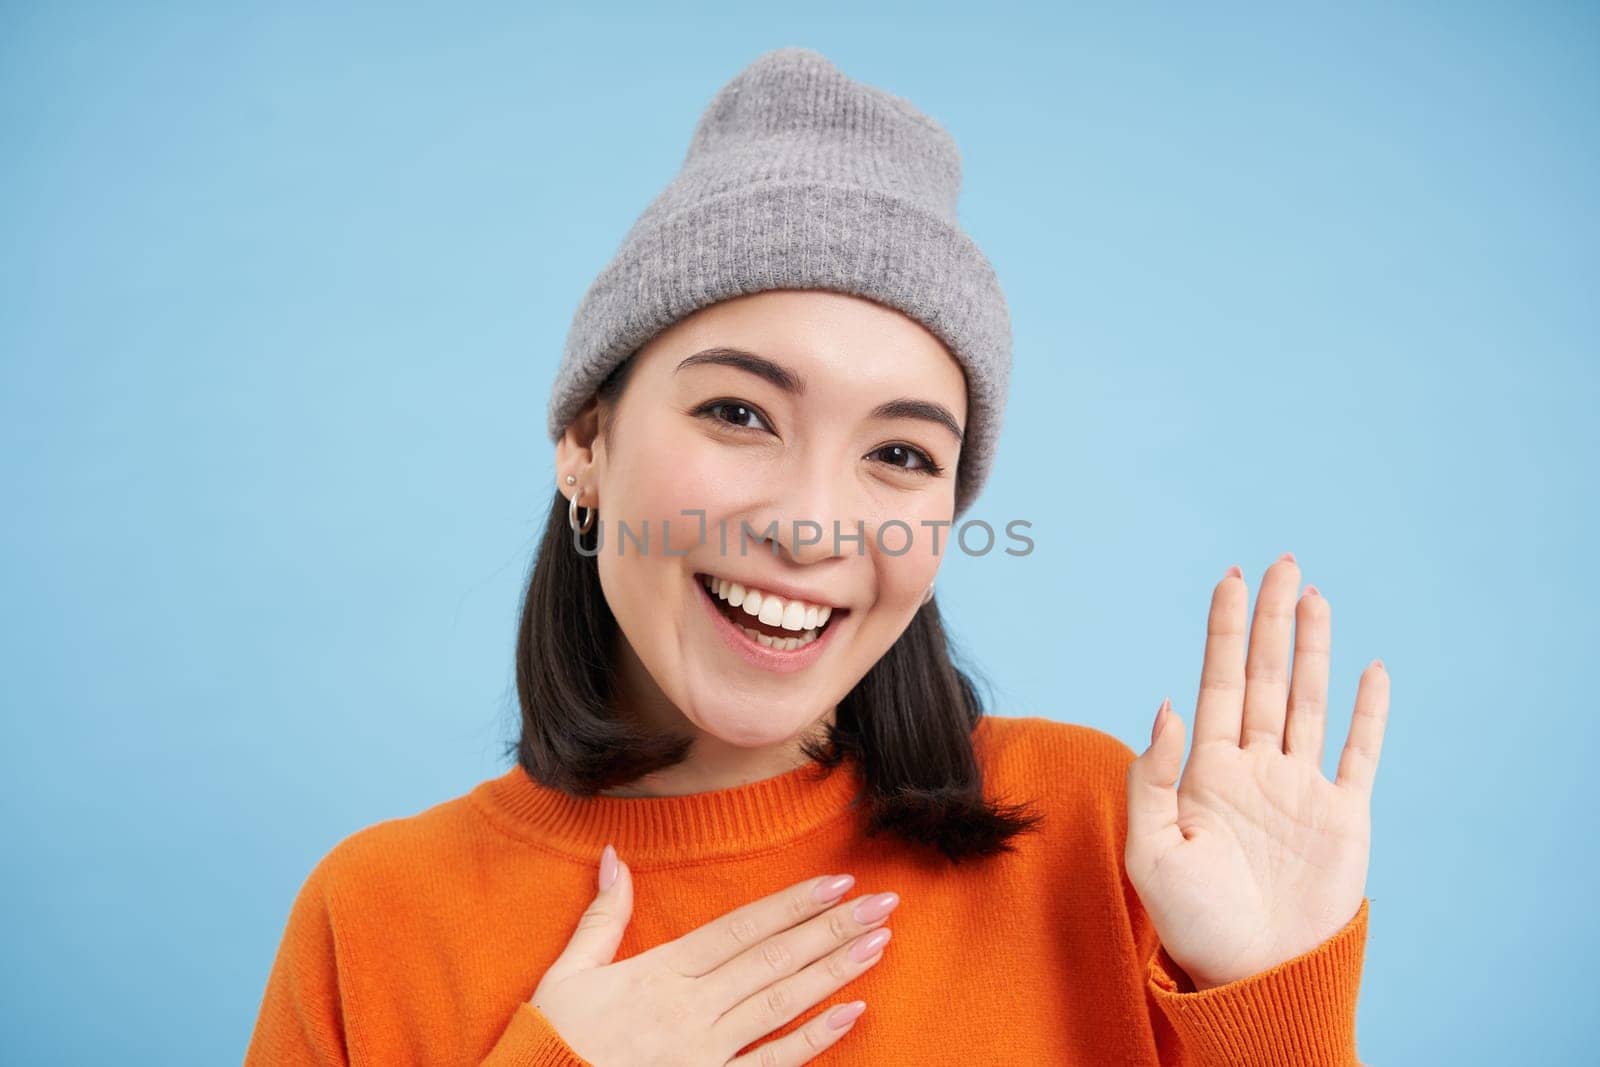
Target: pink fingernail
871,909
608,867
1234,572
1311,590
1288,556
845,1014
834,888
868,946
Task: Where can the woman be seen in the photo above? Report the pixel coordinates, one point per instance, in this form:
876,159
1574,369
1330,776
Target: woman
738,703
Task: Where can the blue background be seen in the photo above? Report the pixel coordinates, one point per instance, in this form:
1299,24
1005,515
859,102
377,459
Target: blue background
282,294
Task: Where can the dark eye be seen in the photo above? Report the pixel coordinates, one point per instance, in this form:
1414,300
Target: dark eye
732,413
898,454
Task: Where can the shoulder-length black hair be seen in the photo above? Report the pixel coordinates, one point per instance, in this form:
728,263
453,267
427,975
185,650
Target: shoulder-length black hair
909,722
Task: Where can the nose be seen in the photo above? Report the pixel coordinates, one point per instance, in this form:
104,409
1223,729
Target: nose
820,514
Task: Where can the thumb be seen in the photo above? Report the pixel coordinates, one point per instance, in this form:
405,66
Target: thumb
1152,788
600,928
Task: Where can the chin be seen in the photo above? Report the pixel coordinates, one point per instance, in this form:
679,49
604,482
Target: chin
739,728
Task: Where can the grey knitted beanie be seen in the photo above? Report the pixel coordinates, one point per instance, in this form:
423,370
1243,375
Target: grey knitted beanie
798,177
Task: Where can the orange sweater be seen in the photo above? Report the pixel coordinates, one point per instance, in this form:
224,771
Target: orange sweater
420,940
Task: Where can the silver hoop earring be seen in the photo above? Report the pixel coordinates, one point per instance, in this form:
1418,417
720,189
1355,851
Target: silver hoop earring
572,515
928,595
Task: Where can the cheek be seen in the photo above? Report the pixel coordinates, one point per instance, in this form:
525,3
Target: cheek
649,496
904,581
680,472
913,548
674,475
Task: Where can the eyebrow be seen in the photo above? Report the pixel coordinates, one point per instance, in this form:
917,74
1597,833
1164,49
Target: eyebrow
791,383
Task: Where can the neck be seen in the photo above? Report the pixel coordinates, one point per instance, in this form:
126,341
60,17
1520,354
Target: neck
712,763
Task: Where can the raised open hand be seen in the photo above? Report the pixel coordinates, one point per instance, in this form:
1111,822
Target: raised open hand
1255,857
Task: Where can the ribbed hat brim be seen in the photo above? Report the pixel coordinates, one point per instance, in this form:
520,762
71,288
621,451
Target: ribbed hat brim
800,235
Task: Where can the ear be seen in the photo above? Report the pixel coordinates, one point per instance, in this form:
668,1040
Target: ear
575,450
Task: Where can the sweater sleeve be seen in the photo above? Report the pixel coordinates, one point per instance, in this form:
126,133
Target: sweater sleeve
302,1016
530,1041
304,1012
1300,1013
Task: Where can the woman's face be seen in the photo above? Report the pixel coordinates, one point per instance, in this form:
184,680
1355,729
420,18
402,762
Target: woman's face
805,445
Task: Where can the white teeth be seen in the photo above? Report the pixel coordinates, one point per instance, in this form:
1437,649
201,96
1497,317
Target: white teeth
787,644
806,619
774,610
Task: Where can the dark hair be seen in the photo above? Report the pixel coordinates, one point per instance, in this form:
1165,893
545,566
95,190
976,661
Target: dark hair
909,721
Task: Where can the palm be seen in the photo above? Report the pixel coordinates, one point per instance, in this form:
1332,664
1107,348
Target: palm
1255,857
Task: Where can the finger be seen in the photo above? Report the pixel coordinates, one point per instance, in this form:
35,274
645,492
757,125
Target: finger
784,953
1308,692
1152,793
774,1006
1266,672
1358,765
600,928
1221,702
720,940
805,1043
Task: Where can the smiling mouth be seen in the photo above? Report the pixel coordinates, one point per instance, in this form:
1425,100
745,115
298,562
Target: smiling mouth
769,635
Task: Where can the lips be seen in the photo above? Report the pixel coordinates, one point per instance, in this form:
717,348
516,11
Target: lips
758,650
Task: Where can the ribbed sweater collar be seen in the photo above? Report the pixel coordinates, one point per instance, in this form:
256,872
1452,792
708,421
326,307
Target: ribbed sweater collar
662,830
